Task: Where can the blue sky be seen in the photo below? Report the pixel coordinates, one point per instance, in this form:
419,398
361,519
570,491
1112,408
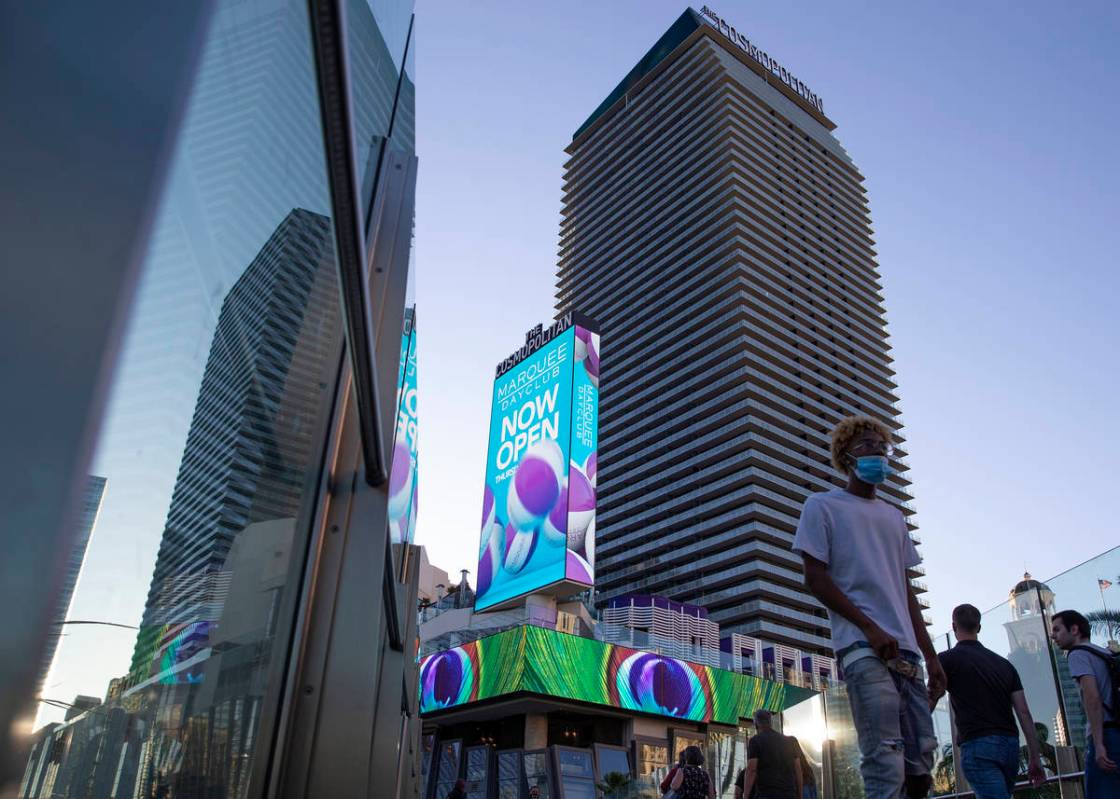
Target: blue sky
987,136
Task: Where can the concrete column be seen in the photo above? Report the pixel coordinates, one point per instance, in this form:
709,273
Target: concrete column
541,607
536,730
647,728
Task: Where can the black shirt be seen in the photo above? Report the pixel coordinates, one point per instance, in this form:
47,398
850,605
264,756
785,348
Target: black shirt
776,764
980,685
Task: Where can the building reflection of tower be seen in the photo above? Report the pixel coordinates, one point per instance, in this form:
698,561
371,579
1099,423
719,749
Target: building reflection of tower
1036,658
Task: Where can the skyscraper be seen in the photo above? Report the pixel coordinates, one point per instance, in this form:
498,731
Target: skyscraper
249,443
91,506
721,234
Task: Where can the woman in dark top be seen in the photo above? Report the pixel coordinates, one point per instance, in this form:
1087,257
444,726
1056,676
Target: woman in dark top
691,781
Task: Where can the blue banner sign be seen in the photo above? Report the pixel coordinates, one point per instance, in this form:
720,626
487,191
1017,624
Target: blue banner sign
538,512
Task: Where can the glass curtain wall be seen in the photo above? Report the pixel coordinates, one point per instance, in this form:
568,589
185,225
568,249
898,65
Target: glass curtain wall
174,647
1019,630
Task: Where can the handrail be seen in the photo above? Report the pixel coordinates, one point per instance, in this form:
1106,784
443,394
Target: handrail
1019,786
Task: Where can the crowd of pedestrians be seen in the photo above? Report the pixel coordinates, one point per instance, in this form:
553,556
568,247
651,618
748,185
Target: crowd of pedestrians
857,555
857,552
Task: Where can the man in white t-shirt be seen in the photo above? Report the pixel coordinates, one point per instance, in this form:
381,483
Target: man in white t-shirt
1089,665
856,549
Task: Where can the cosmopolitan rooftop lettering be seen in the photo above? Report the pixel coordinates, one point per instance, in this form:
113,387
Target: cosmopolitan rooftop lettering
534,340
760,56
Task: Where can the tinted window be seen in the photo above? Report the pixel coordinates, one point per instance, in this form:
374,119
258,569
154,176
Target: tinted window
206,471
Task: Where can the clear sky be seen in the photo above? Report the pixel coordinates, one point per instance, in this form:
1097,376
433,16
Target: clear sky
987,133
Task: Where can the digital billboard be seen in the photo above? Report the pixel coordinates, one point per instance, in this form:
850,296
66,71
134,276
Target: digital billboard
538,511
403,474
545,662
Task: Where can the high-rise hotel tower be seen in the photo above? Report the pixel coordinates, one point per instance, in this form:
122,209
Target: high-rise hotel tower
721,235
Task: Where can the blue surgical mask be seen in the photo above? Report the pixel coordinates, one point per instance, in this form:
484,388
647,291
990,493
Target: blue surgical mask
873,469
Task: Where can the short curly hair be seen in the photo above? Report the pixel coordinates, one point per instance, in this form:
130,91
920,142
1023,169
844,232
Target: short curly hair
847,430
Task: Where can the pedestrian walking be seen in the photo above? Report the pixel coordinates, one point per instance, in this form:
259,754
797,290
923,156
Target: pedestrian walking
773,768
459,791
986,695
856,550
691,781
1097,671
808,778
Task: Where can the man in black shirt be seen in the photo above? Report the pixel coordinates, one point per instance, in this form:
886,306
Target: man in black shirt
984,689
773,771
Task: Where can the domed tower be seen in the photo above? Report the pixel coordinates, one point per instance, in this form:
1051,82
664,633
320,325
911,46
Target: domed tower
1032,604
1028,637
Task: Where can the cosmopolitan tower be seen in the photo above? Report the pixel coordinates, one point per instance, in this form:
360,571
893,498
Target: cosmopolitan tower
721,235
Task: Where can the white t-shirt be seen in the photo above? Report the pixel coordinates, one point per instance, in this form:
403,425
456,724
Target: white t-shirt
867,549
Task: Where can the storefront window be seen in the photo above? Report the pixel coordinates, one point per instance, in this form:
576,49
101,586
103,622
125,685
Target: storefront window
652,764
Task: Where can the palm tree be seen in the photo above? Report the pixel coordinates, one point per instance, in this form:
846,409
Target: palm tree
944,773
614,785
1107,621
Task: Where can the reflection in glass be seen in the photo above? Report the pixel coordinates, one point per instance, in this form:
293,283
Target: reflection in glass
427,745
841,743
87,518
536,772
652,764
404,476
376,41
448,767
1018,629
576,775
726,750
212,439
509,775
805,722
478,771
611,760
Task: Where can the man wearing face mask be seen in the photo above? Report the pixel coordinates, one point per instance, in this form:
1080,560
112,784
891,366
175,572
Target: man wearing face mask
856,550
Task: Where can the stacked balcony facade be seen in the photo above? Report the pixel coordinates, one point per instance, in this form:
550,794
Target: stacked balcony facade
722,237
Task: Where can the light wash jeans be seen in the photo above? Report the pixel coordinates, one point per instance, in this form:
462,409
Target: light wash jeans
894,728
991,764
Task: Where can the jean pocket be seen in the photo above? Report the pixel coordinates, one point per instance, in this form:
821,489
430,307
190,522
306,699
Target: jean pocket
869,671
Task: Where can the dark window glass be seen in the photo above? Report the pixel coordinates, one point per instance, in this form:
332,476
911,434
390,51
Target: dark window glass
206,470
376,40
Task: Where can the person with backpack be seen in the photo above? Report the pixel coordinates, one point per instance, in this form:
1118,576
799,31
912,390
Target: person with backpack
691,781
1097,671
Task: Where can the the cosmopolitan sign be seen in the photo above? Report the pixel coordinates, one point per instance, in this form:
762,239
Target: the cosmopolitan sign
760,56
538,512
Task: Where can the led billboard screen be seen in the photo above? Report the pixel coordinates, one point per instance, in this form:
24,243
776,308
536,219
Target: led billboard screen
545,662
403,472
538,514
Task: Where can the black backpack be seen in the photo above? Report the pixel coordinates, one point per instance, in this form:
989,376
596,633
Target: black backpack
1112,663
